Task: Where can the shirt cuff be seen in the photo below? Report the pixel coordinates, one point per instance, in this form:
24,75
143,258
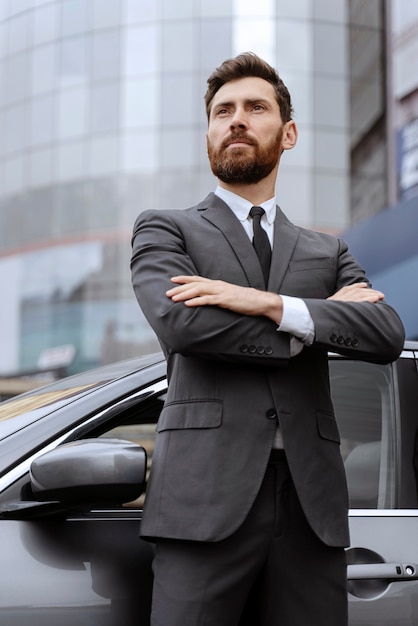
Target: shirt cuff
296,320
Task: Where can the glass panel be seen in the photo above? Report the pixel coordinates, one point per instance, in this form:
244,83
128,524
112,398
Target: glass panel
74,61
331,189
294,46
294,192
105,55
141,102
142,50
177,10
331,149
75,14
250,33
103,156
72,113
104,113
178,46
43,69
106,13
70,161
254,9
141,10
4,9
45,24
3,39
40,167
16,77
17,6
334,11
177,148
18,33
139,151
15,128
215,8
2,143
330,37
214,30
42,120
331,101
364,406
294,8
177,99
14,175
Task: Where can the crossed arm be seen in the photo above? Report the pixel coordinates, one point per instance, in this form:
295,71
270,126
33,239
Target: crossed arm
197,291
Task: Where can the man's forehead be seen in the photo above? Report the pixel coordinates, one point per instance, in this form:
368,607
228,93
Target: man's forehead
248,88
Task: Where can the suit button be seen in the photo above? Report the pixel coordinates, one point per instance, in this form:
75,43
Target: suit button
260,350
268,350
252,349
271,414
340,340
347,341
333,338
355,343
244,348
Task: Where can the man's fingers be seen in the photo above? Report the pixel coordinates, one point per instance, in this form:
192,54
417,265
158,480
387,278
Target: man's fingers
358,292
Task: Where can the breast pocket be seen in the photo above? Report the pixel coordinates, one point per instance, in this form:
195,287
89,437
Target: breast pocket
306,265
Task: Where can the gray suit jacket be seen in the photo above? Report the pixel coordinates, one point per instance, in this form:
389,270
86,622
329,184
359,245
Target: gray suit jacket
231,376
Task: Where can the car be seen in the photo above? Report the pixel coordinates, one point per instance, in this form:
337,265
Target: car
74,460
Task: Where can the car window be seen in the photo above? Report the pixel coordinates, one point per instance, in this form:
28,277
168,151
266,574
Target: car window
138,425
364,406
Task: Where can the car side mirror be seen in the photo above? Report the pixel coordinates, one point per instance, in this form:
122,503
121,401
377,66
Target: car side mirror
94,471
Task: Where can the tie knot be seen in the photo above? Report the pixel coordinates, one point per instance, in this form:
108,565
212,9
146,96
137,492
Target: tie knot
257,211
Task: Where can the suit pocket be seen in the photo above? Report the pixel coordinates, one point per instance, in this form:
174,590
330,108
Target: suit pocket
191,414
306,265
327,426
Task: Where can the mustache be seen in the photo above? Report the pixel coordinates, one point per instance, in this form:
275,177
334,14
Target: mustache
239,136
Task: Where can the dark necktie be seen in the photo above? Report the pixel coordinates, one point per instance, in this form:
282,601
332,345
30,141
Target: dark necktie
261,241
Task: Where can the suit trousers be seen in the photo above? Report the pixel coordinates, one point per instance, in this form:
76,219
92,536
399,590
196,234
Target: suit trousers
273,571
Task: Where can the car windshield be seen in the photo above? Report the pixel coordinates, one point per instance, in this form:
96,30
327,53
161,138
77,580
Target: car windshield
21,410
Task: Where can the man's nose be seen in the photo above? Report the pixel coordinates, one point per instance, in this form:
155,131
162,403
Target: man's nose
239,119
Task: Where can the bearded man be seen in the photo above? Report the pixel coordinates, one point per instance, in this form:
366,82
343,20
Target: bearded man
247,498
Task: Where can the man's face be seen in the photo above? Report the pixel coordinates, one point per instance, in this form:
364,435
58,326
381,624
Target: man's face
245,134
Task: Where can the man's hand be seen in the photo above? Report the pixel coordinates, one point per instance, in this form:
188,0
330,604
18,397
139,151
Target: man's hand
198,291
359,292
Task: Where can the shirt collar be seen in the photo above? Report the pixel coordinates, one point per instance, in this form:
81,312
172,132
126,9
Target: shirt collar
241,207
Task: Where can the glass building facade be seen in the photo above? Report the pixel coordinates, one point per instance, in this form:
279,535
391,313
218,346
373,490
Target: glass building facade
102,116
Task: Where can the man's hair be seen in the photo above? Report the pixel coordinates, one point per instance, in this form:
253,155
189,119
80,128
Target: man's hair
247,65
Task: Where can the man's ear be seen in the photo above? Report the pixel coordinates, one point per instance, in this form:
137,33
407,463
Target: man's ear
290,135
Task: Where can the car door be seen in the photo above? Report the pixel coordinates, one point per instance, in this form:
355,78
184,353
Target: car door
377,410
83,564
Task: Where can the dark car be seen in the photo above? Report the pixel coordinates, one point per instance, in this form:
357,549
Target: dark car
74,458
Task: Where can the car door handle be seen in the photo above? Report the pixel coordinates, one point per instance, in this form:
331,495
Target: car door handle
387,571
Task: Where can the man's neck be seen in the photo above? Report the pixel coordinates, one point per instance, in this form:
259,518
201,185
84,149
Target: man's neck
257,193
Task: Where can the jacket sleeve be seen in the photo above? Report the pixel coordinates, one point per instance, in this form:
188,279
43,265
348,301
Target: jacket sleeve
158,253
370,332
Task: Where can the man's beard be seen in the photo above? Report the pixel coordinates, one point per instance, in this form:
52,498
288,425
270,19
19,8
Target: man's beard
244,165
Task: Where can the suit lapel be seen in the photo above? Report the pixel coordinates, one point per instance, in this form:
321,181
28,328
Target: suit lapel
286,235
218,213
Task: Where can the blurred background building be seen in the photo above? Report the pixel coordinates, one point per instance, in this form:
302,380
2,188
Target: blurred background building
102,116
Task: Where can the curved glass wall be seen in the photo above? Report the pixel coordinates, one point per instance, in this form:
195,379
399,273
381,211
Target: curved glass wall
102,116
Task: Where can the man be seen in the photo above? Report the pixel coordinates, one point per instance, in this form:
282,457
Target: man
247,498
